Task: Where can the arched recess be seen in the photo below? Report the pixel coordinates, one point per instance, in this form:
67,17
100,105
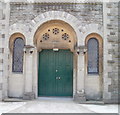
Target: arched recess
94,80
56,15
12,39
16,72
55,34
100,42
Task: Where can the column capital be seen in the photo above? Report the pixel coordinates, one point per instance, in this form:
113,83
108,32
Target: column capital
29,49
81,49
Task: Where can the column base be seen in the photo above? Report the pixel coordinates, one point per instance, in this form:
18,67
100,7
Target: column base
80,98
28,96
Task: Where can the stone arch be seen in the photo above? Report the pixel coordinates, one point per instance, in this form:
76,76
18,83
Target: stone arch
100,41
55,34
12,39
55,15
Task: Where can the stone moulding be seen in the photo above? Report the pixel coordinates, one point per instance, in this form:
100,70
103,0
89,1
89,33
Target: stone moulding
54,1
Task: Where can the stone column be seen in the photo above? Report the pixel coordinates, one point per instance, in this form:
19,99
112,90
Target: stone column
80,93
80,77
28,92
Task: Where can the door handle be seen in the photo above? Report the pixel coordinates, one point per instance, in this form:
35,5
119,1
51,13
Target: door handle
58,78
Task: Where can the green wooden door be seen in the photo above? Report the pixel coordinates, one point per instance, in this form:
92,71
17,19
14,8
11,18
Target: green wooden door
55,73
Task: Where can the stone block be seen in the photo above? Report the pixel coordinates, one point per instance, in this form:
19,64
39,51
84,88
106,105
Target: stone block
112,101
0,95
3,35
1,50
112,74
80,98
1,86
1,60
111,61
28,96
112,33
1,14
112,39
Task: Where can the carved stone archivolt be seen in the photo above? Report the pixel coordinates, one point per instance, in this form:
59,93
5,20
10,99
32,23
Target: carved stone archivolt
55,34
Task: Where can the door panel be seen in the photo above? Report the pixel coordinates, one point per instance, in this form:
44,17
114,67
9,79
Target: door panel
55,73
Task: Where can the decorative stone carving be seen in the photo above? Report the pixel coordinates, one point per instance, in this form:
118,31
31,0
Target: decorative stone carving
45,36
53,34
55,31
81,49
65,36
29,49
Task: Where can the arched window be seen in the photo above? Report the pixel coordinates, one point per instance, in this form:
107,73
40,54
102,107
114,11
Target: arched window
17,64
93,56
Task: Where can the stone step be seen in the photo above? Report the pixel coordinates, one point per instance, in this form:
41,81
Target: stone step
13,100
95,102
21,100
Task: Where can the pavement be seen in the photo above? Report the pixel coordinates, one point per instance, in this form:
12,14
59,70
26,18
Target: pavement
55,105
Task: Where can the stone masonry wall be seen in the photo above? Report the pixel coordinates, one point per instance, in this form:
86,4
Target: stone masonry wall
119,52
86,13
112,38
2,37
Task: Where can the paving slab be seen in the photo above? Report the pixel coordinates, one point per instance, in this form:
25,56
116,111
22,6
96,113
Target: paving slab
55,105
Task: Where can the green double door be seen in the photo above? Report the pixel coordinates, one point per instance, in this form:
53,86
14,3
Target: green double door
55,73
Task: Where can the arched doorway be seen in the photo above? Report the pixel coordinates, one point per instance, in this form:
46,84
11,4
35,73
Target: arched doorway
55,41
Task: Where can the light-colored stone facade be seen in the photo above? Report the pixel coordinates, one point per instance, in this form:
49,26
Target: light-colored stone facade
4,35
97,19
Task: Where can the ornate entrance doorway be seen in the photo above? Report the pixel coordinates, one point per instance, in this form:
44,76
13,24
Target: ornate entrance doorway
55,71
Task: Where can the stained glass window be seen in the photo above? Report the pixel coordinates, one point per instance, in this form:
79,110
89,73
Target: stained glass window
17,65
93,56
